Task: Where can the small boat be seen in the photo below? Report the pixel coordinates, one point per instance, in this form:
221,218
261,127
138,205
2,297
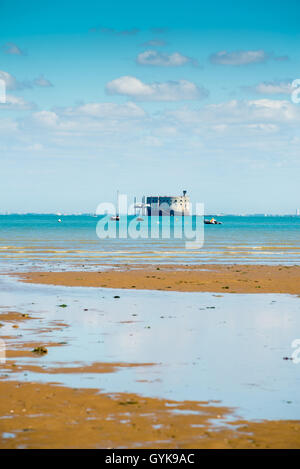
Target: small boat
117,216
212,221
140,219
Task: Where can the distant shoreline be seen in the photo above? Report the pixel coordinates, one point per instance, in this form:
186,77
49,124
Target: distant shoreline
209,214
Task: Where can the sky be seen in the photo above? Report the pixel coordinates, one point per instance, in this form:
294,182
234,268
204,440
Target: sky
149,98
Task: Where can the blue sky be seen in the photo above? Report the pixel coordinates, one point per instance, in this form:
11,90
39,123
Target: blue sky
149,98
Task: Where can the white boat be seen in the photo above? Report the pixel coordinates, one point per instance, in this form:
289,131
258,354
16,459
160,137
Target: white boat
117,216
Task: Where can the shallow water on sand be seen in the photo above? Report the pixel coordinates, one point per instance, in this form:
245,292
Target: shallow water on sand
204,347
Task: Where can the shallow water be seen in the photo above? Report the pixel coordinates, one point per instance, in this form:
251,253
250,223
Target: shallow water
205,347
39,242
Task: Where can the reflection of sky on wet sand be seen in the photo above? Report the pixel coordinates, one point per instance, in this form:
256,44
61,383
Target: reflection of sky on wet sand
228,348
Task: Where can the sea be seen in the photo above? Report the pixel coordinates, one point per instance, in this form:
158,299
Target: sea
71,242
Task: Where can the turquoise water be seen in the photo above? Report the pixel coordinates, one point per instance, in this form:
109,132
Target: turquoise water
41,242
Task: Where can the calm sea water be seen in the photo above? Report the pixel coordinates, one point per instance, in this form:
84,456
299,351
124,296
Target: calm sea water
40,241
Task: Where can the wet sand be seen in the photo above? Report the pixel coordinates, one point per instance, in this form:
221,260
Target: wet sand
202,278
40,415
50,416
34,415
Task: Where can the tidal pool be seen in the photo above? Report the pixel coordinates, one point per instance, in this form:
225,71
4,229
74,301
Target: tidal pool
228,348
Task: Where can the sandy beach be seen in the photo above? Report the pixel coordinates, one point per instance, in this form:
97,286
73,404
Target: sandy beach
192,278
50,416
39,415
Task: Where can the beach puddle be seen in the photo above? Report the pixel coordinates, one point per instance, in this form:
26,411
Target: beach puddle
7,435
229,349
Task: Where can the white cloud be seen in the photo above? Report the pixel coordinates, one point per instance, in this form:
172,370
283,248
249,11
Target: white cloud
273,110
46,118
242,57
263,127
234,128
106,110
92,119
130,86
153,57
13,84
16,103
168,91
108,120
274,87
10,81
263,114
